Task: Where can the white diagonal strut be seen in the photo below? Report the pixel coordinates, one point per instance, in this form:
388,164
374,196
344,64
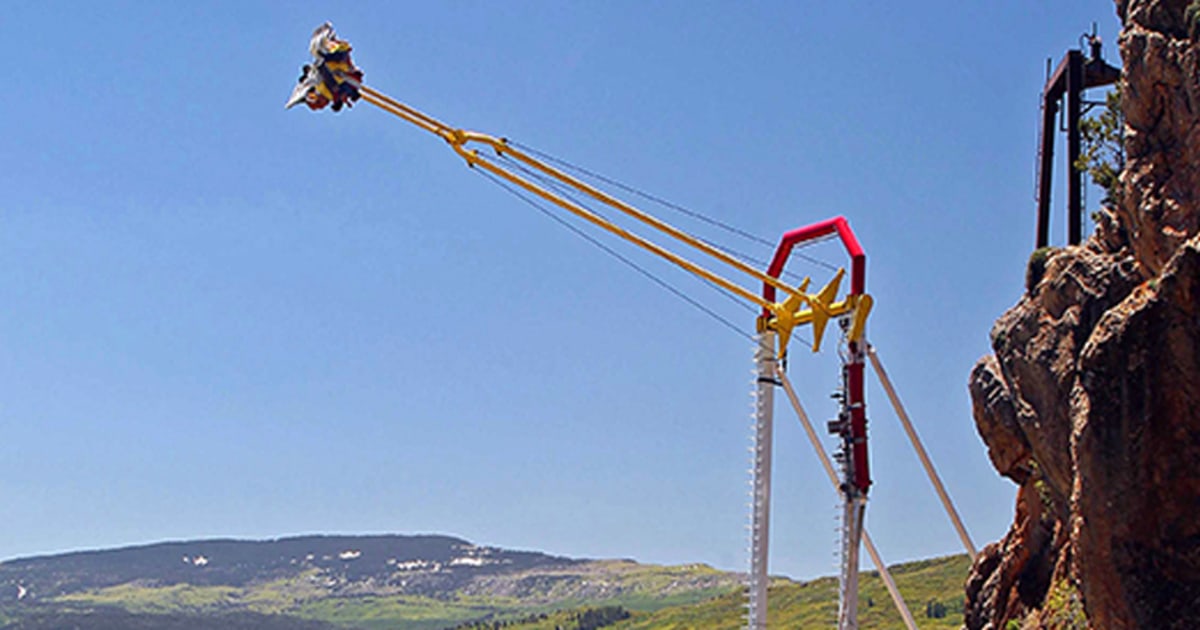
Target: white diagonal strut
920,449
888,582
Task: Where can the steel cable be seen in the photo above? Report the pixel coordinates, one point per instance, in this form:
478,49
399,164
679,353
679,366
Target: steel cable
699,216
615,254
569,194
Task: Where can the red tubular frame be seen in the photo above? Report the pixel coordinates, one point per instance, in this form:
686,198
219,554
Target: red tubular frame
855,397
858,259
856,402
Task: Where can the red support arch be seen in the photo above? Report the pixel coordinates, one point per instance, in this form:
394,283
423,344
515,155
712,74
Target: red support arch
858,259
855,403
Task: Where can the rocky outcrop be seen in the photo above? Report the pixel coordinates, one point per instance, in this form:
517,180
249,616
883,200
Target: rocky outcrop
1162,141
1091,402
1134,525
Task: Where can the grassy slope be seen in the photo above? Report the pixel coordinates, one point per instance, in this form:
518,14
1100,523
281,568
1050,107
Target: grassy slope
814,604
180,598
809,604
360,612
407,613
614,582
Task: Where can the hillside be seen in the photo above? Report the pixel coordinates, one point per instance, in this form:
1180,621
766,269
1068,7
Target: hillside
352,582
413,565
932,588
421,583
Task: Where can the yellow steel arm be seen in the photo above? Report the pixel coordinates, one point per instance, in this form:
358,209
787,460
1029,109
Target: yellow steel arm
784,315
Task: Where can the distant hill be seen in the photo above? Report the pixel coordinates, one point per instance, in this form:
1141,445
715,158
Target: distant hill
417,582
423,583
65,618
418,565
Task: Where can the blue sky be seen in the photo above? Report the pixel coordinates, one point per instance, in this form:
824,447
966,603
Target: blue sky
226,319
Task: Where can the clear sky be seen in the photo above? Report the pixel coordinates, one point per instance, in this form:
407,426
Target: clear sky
221,318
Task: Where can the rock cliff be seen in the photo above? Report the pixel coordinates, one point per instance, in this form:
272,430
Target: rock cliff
1091,400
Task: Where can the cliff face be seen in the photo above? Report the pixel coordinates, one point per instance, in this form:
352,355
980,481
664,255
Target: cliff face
1091,402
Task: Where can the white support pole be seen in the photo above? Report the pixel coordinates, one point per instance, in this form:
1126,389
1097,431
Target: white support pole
760,515
852,528
890,584
920,449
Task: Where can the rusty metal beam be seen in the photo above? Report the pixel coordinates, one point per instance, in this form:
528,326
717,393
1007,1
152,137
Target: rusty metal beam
1046,166
1074,175
1066,84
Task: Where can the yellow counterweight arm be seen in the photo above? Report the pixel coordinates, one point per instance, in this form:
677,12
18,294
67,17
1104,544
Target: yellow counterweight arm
784,315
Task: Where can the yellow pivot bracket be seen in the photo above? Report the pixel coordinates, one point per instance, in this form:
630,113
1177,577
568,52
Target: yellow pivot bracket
802,308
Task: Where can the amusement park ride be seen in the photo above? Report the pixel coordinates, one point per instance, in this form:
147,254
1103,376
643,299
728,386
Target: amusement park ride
332,79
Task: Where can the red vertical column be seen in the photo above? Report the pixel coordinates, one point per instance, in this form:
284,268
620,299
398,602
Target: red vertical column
857,406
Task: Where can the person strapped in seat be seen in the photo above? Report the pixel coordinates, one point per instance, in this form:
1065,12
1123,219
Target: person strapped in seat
331,78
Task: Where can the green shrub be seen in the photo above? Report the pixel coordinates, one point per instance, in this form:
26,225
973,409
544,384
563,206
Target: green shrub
1064,607
1103,151
1037,267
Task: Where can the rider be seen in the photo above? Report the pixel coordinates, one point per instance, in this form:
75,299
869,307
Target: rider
324,80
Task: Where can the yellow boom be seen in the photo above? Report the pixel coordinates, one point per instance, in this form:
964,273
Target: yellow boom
797,308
